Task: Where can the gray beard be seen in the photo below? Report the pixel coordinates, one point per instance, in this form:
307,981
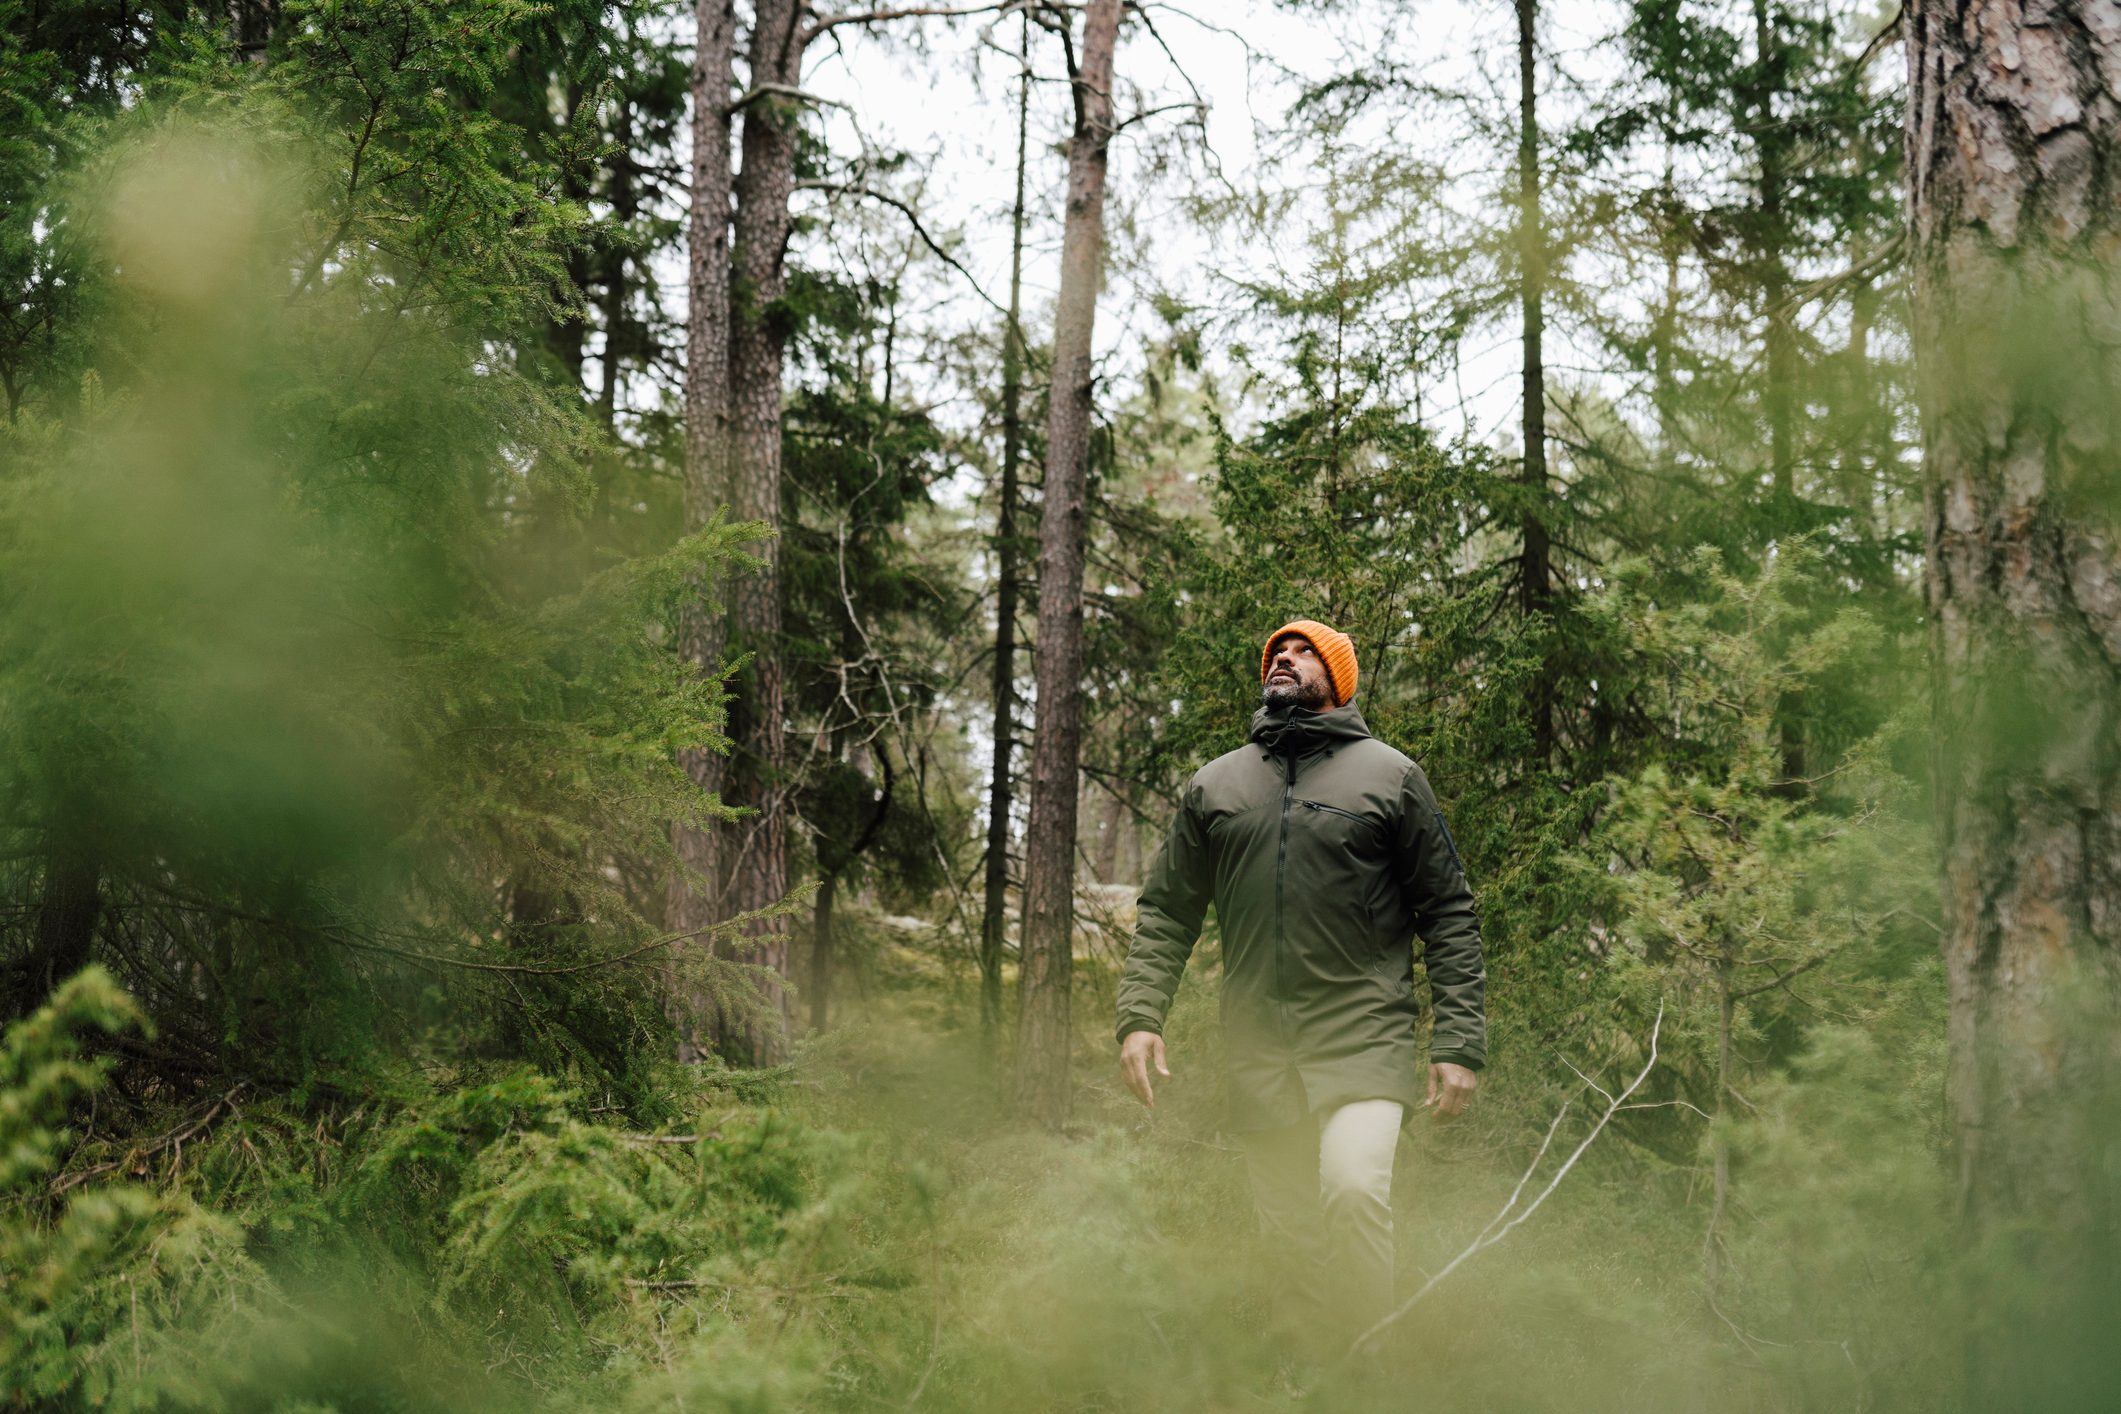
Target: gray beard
1281,696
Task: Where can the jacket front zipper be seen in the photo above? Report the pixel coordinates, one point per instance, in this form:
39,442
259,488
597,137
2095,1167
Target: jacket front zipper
1281,872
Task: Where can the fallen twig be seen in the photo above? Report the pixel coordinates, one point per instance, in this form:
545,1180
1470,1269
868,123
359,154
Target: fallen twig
139,1153
1503,1223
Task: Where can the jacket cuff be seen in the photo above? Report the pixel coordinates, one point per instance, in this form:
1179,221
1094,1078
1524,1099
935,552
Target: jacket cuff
1468,1059
1136,1023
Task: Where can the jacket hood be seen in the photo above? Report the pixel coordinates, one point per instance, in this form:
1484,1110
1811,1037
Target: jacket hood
1293,731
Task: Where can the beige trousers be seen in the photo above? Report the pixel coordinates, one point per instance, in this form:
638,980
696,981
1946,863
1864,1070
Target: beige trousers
1323,1193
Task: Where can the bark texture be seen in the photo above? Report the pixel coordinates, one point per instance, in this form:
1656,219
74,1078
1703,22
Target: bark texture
1001,787
1535,570
2013,161
694,902
1044,1024
758,870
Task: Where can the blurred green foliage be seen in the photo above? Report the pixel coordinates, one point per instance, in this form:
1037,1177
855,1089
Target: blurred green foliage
881,1234
338,729
308,686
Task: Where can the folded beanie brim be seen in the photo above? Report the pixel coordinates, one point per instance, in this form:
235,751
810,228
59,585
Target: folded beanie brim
1334,648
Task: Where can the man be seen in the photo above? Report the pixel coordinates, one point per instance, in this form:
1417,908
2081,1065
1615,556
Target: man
1324,853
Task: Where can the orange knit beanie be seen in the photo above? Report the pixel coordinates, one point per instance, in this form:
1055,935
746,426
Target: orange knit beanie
1334,648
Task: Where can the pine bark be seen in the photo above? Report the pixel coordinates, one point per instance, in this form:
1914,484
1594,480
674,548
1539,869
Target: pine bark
1001,787
1535,569
694,897
1044,1022
2013,164
765,184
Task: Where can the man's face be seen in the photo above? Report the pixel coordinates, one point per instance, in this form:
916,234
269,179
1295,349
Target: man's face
1296,676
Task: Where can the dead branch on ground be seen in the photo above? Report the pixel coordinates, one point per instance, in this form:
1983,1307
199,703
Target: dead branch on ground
1508,1219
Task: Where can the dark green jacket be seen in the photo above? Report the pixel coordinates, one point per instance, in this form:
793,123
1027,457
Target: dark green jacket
1324,854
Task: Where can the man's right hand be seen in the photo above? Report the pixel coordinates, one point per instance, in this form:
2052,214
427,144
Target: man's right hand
1137,1053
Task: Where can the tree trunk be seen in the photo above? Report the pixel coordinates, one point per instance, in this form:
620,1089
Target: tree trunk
828,889
1043,1030
1108,828
2013,162
1535,569
758,874
1001,794
1719,1138
251,25
624,206
1664,332
694,900
66,927
835,857
1859,435
571,328
1769,145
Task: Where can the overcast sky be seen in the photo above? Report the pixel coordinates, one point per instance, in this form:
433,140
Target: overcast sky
951,104
942,91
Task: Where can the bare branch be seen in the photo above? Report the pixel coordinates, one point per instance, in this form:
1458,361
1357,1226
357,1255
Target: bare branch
1670,1104
782,90
912,218
1587,1080
174,1140
1782,979
1503,1223
1889,31
1199,111
1894,247
907,12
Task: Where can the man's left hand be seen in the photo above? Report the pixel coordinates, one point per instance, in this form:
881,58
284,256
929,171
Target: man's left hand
1451,1089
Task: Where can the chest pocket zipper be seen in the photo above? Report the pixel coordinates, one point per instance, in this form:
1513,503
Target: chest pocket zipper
1333,810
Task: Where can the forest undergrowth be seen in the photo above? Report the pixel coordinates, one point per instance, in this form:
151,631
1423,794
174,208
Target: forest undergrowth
866,1227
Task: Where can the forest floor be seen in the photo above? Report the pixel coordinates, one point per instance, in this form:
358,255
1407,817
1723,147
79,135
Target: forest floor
869,1227
1114,1266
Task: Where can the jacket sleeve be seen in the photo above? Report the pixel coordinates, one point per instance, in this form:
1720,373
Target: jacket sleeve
1445,917
1167,919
